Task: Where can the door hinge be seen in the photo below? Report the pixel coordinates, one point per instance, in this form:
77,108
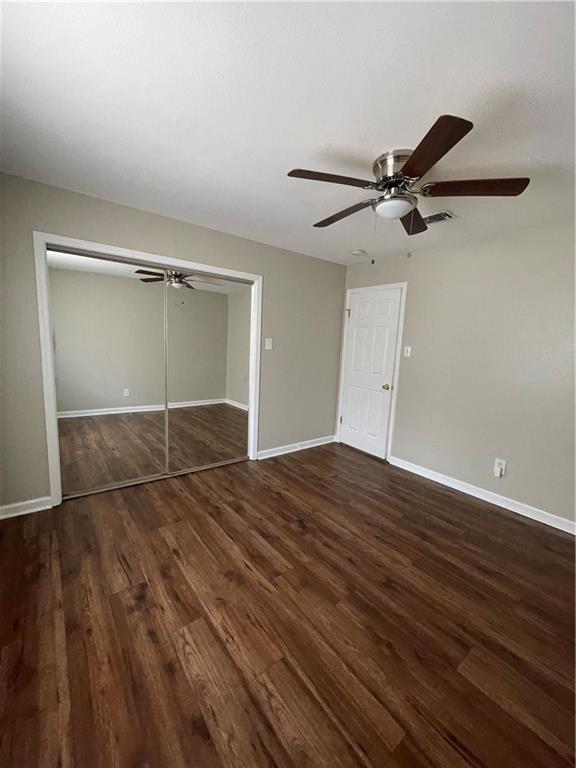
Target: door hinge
340,419
348,312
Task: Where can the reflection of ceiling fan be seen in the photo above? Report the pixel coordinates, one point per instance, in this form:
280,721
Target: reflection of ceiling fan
173,278
396,172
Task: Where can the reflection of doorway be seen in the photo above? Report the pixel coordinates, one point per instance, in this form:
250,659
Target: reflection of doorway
145,386
369,373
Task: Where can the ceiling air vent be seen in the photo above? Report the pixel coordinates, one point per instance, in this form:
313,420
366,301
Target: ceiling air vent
435,217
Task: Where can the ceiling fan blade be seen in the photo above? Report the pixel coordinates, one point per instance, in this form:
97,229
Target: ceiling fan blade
147,272
300,173
479,187
413,222
188,285
151,279
446,132
343,214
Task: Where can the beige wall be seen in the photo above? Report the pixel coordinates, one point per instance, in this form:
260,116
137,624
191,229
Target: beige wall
3,356
197,328
302,310
238,350
109,335
491,325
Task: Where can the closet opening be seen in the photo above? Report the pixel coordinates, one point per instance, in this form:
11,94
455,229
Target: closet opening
151,365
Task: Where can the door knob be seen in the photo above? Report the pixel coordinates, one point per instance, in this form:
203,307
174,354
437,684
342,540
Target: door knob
386,386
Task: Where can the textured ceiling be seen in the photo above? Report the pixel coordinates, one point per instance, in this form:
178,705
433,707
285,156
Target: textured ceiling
197,111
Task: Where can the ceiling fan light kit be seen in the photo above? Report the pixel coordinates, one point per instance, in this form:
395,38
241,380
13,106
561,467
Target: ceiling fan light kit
394,205
397,172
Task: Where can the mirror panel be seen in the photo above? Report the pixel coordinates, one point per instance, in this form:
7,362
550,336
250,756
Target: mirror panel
208,345
108,336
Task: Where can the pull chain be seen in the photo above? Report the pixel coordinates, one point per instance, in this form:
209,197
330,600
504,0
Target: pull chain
373,252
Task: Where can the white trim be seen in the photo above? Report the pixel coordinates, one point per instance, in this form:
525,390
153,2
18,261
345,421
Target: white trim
562,523
254,375
48,376
142,408
270,452
109,411
236,404
44,239
403,291
196,403
26,507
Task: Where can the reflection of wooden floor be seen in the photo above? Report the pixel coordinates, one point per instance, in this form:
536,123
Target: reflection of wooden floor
316,610
96,451
206,434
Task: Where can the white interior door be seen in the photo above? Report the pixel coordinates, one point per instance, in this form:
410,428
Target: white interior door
368,368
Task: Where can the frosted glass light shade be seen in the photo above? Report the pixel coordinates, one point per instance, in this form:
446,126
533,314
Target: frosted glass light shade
394,207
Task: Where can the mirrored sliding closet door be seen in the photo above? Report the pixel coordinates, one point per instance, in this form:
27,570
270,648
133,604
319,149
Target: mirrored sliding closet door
208,353
151,370
108,337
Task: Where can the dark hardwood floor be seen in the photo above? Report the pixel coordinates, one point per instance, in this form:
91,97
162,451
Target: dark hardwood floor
98,451
317,610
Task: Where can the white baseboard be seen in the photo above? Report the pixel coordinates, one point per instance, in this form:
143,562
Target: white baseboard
109,411
270,452
142,408
26,507
236,404
512,505
194,403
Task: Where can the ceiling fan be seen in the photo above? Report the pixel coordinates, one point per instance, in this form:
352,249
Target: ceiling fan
398,171
173,278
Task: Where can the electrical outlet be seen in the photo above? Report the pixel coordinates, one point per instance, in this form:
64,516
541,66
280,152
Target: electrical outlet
407,351
126,392
499,467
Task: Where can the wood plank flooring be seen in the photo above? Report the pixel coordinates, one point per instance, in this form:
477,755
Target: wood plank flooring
98,451
316,610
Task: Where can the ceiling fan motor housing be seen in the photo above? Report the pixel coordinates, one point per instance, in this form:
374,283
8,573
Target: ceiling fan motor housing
388,165
396,202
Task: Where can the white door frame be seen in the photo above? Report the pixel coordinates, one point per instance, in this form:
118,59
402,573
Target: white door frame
350,292
41,242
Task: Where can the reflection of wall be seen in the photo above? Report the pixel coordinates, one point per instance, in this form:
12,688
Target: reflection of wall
238,358
196,345
108,335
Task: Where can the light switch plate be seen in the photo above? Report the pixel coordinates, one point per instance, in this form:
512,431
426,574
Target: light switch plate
499,467
407,351
268,344
126,392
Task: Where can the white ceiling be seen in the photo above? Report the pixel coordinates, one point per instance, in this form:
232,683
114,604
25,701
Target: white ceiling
77,263
197,111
